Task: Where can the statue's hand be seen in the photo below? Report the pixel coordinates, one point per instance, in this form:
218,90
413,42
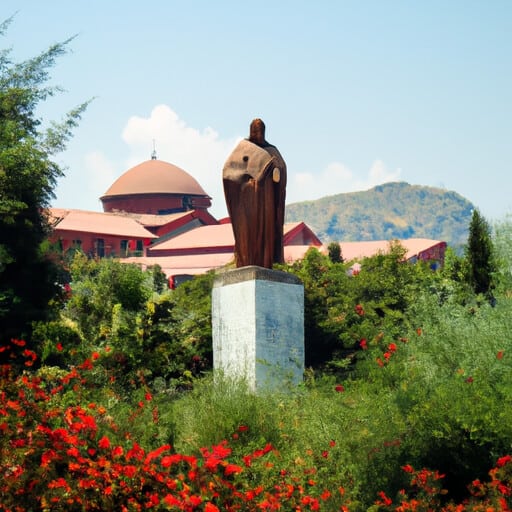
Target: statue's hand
276,175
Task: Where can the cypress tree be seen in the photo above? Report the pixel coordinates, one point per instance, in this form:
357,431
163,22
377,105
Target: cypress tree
480,255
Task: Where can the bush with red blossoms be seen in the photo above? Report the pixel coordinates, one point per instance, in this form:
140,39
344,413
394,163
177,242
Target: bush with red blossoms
57,456
426,492
69,457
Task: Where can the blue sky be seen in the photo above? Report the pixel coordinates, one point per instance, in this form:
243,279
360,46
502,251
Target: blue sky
353,93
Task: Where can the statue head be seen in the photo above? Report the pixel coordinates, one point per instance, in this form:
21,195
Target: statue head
257,132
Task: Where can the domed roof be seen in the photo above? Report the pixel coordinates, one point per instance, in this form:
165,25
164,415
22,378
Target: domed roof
155,177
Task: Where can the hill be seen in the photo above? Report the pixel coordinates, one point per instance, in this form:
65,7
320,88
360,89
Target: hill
390,211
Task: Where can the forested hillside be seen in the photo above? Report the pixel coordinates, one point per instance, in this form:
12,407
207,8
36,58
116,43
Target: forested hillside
389,211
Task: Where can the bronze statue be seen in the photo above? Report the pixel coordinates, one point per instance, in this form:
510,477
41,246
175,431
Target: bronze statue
254,178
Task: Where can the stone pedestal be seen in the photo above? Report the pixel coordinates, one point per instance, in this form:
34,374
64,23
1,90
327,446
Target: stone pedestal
258,327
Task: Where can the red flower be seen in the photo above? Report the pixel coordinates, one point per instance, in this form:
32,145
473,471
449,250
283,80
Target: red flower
104,443
136,452
148,397
419,332
129,471
392,347
469,380
231,469
28,354
325,454
325,495
503,460
499,355
86,365
58,483
73,452
243,428
332,443
363,344
210,507
172,501
339,388
385,500
117,451
380,362
408,468
359,310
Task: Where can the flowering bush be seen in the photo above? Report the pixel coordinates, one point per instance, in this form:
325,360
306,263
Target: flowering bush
55,456
426,492
60,455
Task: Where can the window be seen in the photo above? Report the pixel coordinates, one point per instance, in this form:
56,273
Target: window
100,247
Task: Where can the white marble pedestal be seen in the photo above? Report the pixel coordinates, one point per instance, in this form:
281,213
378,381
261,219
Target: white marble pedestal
258,327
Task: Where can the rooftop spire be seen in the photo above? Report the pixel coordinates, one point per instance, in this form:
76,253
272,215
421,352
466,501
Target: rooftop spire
153,154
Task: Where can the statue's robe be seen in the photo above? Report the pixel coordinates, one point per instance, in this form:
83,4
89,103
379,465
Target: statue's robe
256,203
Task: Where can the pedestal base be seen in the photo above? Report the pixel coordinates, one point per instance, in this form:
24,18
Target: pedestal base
258,327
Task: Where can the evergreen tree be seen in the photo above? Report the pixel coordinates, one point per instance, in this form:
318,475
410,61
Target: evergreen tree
334,251
479,254
28,279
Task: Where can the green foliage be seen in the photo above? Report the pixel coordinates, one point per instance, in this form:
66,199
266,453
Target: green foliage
502,243
162,339
479,254
387,212
334,251
29,279
107,297
191,321
430,387
437,396
344,309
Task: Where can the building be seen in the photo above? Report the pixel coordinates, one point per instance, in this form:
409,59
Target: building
416,249
212,246
157,213
155,187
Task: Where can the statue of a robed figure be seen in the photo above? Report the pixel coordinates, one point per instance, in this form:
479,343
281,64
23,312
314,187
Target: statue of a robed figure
257,311
254,178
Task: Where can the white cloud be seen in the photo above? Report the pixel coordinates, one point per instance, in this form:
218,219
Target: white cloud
336,178
201,153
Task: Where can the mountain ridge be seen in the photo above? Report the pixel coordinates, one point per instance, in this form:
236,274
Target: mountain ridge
394,210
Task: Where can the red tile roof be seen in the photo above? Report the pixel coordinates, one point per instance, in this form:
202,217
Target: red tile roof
295,252
188,264
214,236
200,263
97,222
358,250
221,236
150,220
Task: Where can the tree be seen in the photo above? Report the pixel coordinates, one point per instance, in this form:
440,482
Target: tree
28,278
334,251
479,254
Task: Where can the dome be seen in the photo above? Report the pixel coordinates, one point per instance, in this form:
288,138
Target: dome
155,177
